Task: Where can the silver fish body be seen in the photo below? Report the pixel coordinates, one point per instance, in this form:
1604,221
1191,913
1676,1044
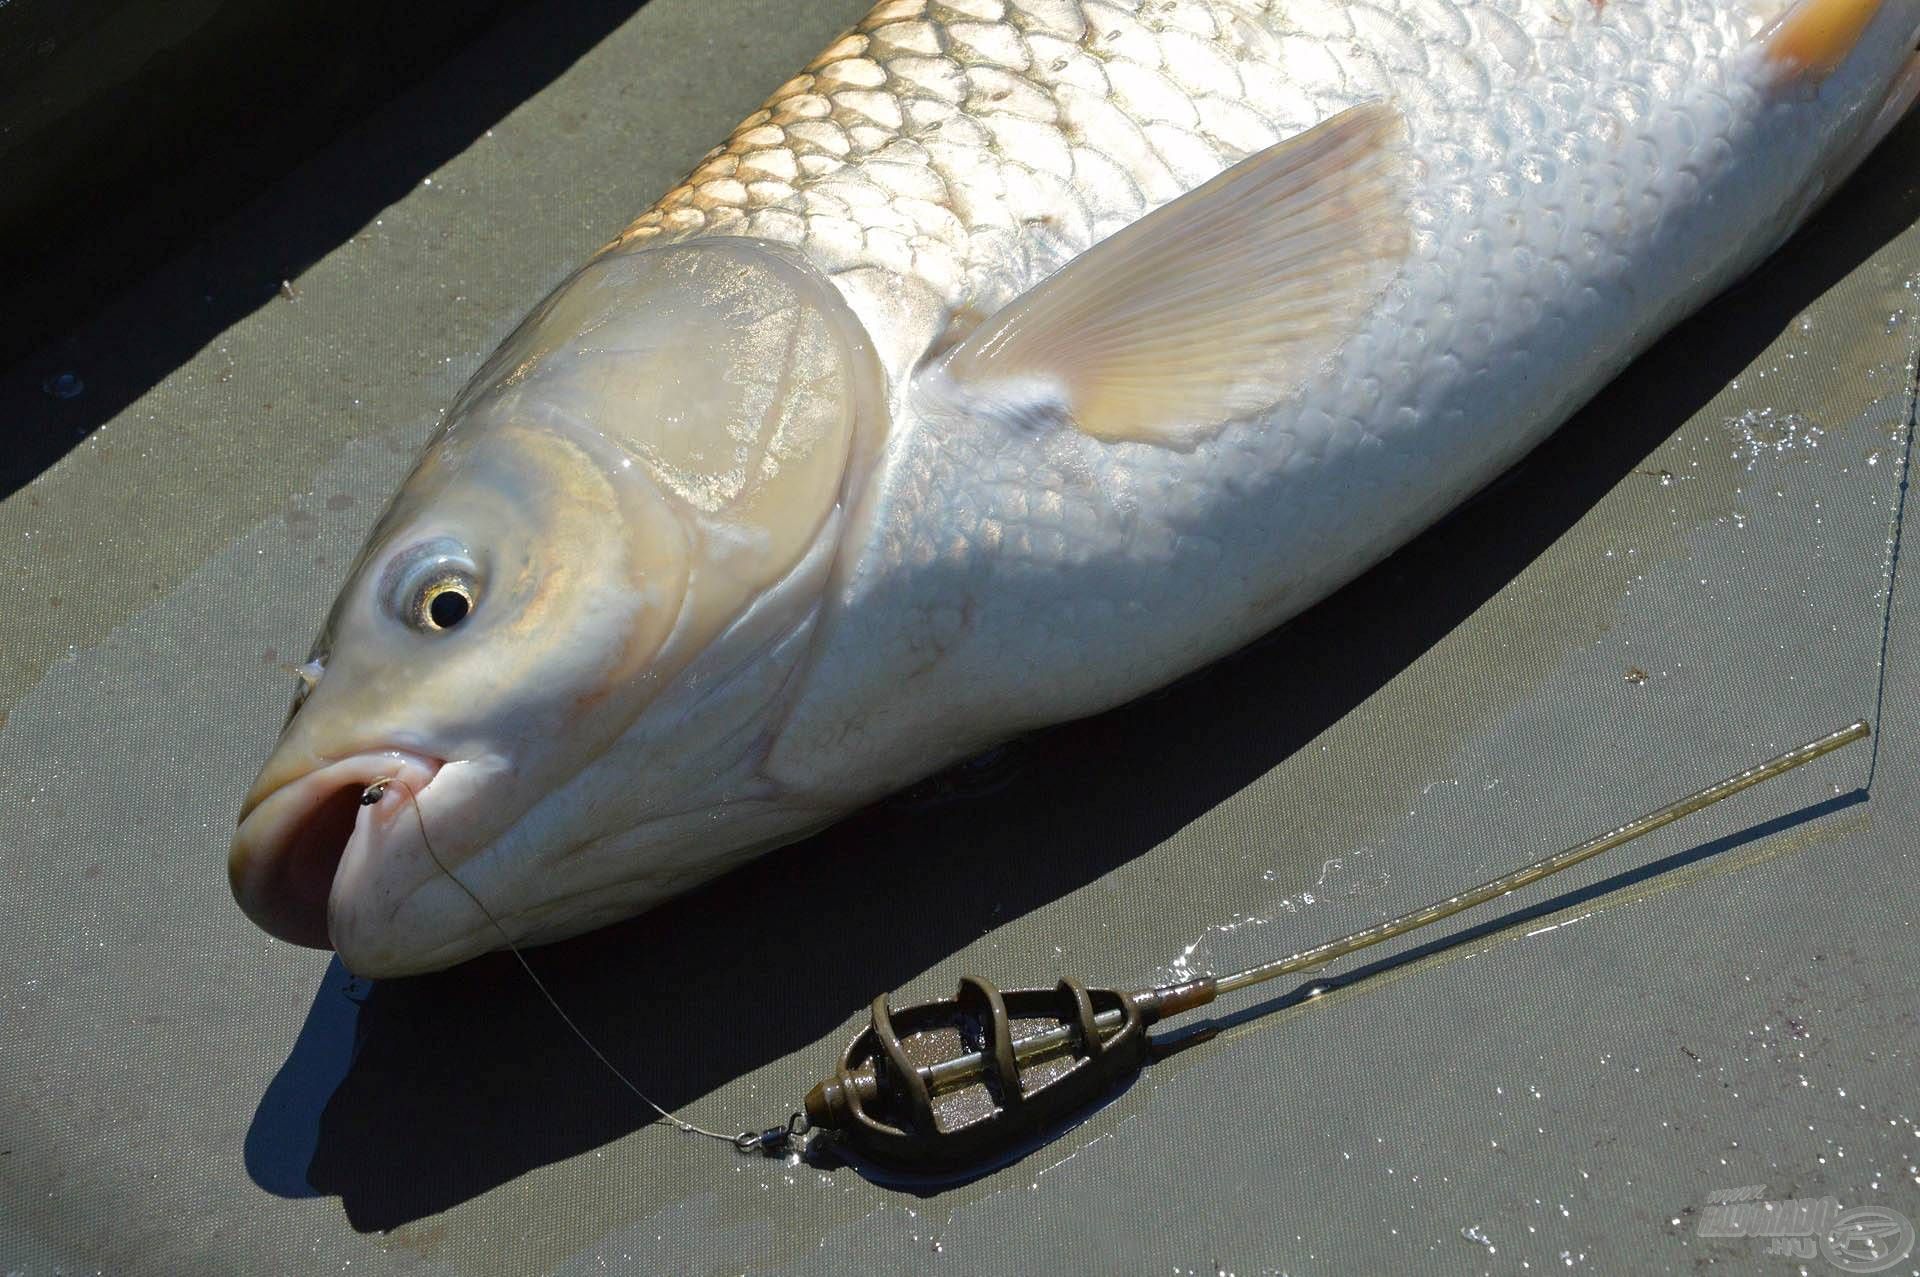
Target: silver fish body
1567,180
1587,175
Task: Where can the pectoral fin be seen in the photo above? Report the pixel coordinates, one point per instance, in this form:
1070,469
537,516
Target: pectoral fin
1211,307
1814,37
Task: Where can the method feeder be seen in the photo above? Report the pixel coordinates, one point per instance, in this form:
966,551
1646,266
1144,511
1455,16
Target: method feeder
944,1085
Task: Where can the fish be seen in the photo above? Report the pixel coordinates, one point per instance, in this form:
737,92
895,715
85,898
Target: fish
1015,359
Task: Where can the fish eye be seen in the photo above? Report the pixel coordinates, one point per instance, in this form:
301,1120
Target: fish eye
433,588
443,603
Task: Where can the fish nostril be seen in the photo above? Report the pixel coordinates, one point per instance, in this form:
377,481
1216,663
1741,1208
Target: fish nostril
309,676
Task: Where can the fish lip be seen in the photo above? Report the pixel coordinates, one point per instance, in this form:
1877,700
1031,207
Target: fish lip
293,841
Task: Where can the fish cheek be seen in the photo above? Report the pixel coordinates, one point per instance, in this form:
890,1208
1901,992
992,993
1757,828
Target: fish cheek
600,573
672,433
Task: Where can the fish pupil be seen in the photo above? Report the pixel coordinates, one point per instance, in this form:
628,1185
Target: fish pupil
448,608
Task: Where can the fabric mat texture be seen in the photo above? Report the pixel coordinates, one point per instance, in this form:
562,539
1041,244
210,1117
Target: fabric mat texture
1698,571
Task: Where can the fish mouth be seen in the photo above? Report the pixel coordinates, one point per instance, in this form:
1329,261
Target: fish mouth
299,840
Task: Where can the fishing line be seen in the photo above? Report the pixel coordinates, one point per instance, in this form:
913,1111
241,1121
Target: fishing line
1114,1038
1893,551
745,1141
888,1101
921,1107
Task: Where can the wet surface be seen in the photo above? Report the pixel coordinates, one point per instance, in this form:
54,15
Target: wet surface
1691,576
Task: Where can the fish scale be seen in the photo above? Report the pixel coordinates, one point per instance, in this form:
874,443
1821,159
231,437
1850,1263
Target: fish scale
1016,358
1557,151
976,147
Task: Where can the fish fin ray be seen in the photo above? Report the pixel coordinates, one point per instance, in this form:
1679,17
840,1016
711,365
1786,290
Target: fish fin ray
1211,307
1813,37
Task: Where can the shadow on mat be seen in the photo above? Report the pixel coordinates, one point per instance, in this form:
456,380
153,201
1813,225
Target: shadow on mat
355,52
1189,1033
443,1087
1520,916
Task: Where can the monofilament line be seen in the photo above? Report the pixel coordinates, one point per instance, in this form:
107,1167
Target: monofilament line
959,1070
1893,549
1320,955
371,795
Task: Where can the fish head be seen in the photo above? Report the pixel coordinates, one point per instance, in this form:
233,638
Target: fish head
539,702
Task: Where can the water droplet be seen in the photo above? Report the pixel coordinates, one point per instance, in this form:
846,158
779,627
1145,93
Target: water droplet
1762,431
64,385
